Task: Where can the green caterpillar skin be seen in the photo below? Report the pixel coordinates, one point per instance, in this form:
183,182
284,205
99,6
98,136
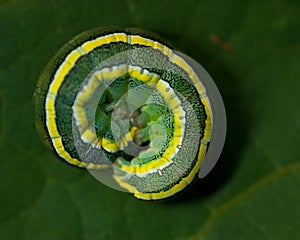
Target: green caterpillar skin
123,99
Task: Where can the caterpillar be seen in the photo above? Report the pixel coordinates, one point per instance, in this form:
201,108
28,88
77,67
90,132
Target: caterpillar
129,108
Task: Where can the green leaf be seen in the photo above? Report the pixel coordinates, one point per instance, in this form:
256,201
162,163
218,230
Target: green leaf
252,51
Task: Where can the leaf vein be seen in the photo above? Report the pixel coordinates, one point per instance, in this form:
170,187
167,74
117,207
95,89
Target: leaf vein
240,197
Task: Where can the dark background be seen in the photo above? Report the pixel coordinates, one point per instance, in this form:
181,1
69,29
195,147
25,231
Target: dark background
252,51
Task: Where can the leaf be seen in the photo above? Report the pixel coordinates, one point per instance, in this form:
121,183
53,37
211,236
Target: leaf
252,51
